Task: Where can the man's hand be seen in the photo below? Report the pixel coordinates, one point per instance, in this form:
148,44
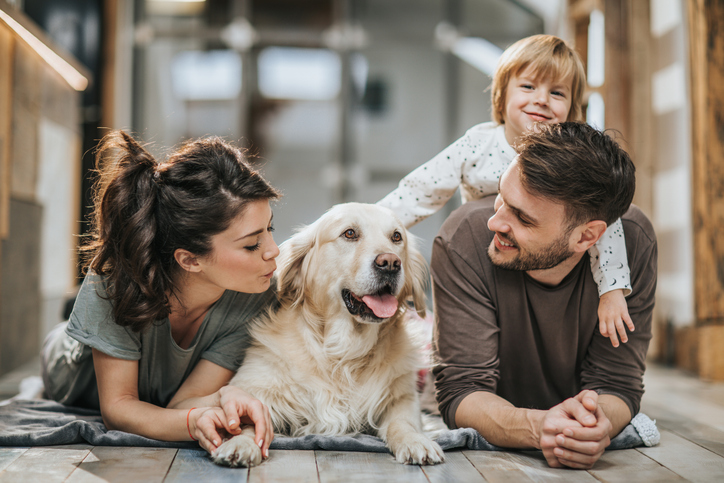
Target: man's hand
575,433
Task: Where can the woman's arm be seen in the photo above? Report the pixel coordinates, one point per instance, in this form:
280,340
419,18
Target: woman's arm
122,410
207,386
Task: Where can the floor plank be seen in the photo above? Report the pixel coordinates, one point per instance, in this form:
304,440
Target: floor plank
341,467
286,465
194,466
47,464
109,463
8,455
509,467
622,465
455,468
701,434
687,396
686,459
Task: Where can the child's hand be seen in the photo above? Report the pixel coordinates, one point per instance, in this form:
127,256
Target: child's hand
612,314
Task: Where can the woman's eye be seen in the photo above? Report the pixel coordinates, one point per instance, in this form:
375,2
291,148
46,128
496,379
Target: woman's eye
253,248
350,234
396,237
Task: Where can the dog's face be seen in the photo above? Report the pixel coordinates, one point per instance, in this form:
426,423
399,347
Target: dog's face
356,258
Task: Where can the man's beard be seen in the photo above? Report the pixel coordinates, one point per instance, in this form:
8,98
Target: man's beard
543,259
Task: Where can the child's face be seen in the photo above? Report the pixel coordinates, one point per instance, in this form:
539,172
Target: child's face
530,100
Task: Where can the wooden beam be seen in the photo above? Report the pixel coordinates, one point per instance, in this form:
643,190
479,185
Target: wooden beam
617,85
640,129
706,54
7,49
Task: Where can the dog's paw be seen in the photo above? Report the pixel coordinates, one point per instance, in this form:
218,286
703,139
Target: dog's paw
238,451
418,449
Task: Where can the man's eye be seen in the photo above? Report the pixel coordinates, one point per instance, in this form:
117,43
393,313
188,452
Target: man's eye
396,237
350,234
524,222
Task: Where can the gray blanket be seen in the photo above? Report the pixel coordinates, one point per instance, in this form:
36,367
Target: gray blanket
38,422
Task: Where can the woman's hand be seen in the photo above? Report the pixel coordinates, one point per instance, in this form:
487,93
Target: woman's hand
240,408
206,425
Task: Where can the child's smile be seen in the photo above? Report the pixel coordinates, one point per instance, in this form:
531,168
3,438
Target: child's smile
531,99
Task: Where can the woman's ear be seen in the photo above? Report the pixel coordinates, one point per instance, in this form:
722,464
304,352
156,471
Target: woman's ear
187,260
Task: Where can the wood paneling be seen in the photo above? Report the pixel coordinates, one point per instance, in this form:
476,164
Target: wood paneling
7,45
20,286
706,44
617,85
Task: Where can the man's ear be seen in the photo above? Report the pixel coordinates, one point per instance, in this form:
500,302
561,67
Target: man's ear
586,235
187,260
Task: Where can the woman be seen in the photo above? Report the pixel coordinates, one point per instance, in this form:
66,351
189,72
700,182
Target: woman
181,258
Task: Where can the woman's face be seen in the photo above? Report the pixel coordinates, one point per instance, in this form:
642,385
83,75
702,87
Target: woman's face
243,256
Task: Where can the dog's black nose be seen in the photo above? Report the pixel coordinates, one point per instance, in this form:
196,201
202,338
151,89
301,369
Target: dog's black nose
388,262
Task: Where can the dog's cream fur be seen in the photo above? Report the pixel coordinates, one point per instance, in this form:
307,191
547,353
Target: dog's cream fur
319,368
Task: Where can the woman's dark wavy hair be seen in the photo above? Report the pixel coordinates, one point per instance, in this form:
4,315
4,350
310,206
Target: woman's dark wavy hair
144,211
579,166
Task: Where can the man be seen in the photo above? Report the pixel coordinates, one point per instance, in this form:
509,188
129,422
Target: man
520,358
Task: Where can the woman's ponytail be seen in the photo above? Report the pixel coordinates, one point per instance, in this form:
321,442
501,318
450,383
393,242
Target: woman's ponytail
124,231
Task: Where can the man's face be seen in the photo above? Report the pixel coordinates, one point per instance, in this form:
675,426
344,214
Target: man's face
531,232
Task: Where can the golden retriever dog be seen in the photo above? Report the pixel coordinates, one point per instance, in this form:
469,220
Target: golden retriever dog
336,357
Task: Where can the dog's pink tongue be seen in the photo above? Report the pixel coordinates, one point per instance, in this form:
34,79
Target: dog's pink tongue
384,306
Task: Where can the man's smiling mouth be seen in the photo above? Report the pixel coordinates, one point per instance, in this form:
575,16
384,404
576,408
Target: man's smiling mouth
505,244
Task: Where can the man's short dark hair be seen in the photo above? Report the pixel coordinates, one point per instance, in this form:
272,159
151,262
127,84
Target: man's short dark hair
580,167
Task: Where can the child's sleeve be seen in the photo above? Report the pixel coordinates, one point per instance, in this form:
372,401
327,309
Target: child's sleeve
609,263
426,189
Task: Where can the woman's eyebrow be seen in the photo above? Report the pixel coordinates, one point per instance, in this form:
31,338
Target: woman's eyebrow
257,232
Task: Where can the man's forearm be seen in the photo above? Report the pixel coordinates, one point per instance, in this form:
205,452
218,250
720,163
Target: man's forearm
616,411
499,422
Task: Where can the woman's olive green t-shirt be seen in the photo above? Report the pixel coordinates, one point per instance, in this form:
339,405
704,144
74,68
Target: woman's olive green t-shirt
162,365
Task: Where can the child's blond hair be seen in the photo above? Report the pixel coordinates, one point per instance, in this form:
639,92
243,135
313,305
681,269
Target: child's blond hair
550,57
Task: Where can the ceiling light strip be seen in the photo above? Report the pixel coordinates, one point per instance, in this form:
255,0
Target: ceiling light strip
72,76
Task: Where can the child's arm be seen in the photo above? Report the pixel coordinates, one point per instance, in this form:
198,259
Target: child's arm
426,189
610,269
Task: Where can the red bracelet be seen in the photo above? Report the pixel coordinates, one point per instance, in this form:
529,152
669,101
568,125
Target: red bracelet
187,423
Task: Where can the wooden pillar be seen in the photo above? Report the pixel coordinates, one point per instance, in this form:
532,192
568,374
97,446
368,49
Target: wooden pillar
617,86
7,43
706,41
7,47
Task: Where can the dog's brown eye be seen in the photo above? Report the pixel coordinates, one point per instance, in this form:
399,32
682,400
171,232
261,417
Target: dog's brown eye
350,234
396,237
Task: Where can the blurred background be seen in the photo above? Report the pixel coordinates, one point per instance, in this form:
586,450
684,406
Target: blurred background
335,101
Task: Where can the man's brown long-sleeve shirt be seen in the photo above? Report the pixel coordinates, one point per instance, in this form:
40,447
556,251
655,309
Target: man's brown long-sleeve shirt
501,331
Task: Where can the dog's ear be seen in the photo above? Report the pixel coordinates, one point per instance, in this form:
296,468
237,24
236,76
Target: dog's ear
417,275
290,278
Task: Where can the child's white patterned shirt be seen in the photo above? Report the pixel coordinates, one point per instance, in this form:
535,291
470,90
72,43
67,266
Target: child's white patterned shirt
474,163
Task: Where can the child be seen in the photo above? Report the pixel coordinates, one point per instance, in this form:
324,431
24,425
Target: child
538,79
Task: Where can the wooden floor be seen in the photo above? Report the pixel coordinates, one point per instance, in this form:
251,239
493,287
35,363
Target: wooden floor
689,413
